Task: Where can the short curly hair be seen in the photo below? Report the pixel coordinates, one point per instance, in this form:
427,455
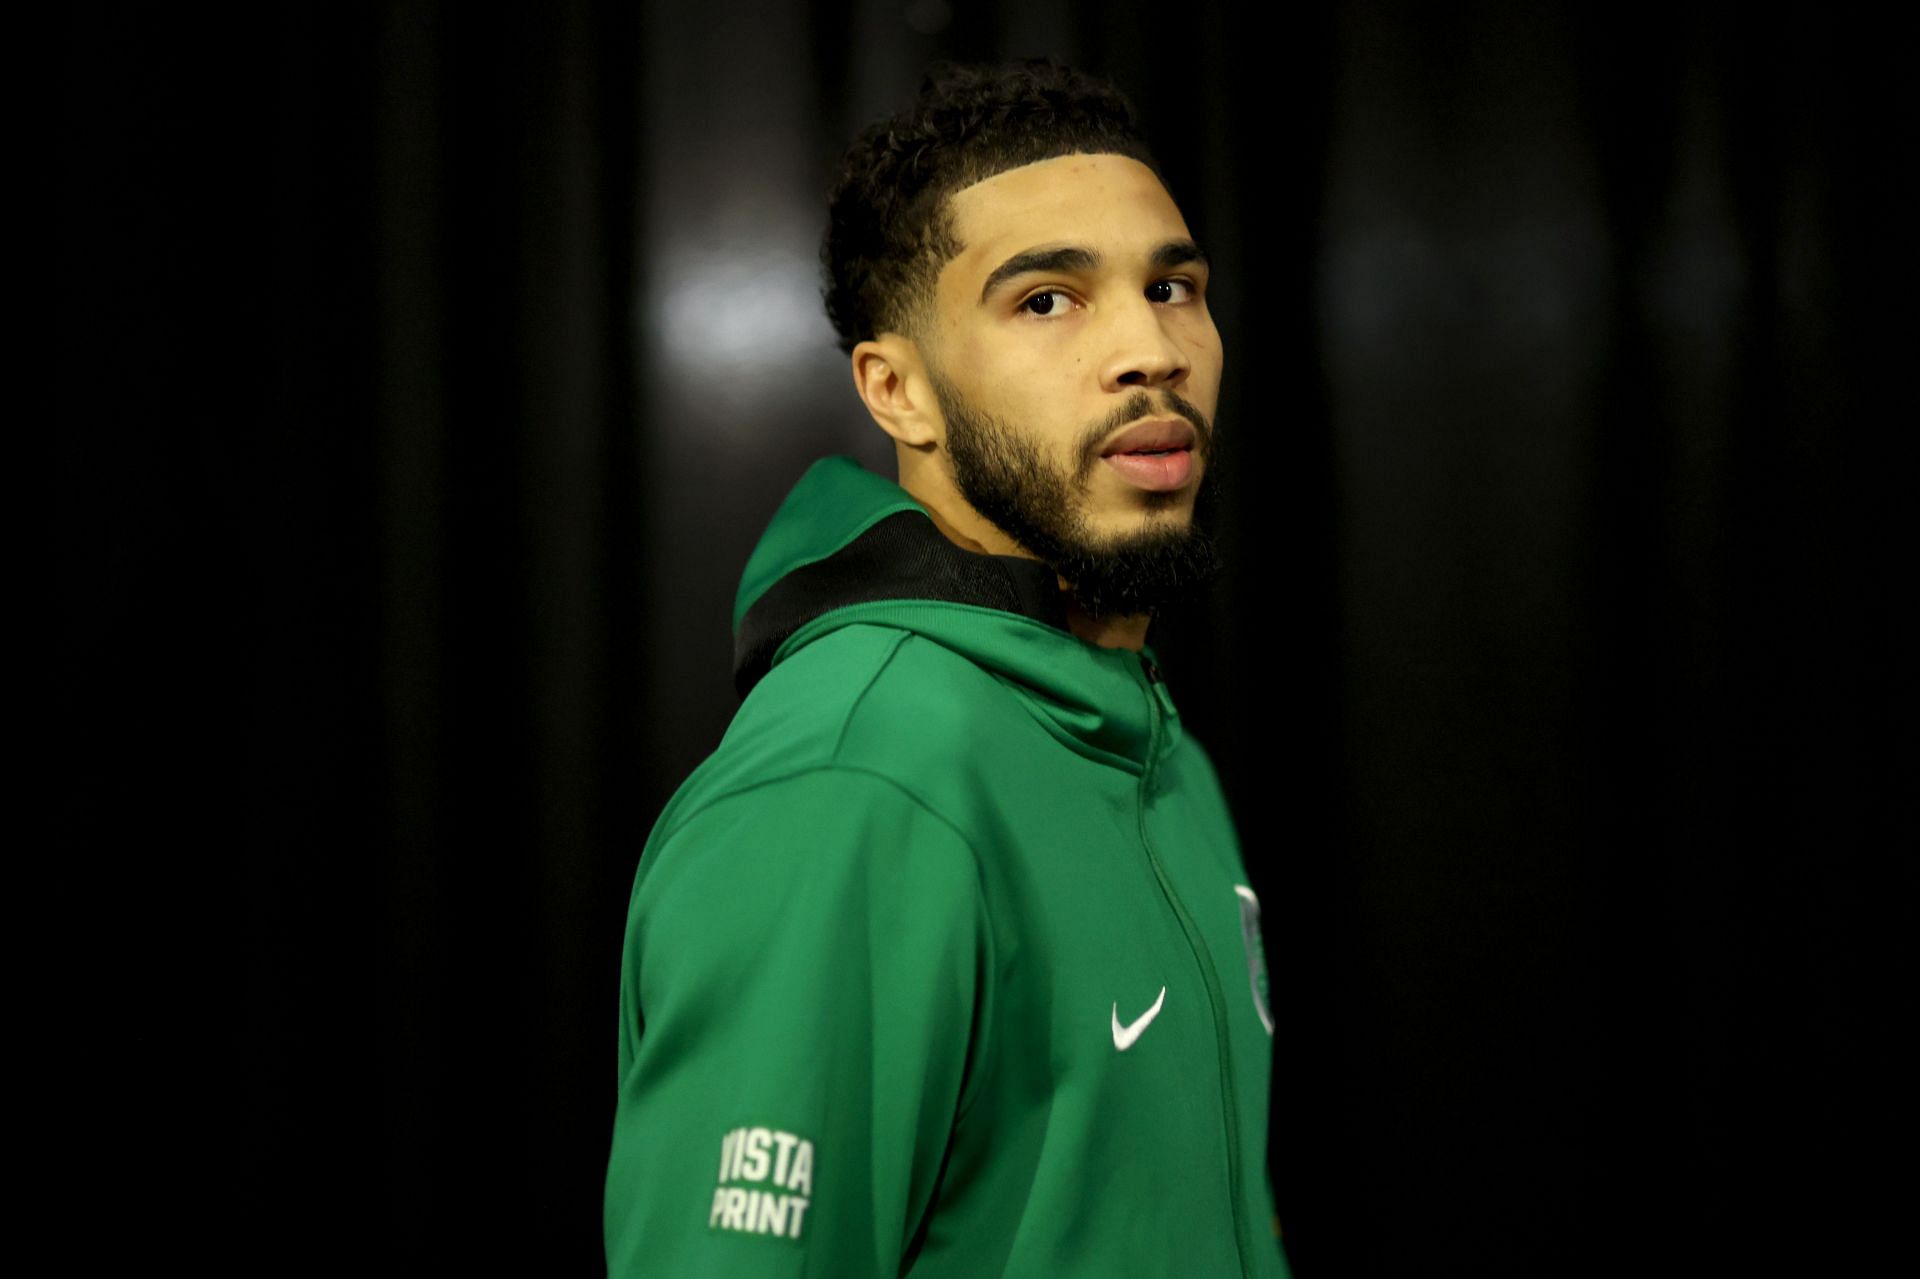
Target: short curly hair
889,230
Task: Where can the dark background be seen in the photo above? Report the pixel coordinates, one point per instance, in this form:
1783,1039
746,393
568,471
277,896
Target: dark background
424,372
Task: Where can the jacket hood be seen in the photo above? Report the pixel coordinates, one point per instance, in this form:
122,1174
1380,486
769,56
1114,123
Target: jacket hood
848,546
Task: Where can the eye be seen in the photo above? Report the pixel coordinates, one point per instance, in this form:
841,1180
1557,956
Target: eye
1046,302
1170,291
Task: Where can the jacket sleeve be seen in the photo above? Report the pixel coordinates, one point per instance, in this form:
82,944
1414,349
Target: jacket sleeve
803,965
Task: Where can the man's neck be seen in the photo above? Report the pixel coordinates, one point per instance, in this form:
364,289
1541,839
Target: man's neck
1128,632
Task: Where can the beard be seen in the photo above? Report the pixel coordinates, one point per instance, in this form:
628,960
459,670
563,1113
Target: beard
1006,478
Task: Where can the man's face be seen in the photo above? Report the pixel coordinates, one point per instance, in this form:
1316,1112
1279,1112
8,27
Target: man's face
1077,371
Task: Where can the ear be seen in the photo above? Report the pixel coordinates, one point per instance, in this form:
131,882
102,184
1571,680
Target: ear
891,380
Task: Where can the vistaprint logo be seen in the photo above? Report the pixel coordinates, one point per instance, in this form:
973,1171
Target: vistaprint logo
766,1182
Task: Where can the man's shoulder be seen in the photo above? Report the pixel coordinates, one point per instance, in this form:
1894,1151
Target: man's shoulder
864,698
880,676
867,718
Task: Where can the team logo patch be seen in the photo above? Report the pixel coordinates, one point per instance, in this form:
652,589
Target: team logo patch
1256,952
766,1183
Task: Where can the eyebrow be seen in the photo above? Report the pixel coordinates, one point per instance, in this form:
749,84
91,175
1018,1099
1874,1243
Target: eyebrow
1074,257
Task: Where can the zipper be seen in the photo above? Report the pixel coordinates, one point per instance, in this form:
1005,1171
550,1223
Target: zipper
1157,700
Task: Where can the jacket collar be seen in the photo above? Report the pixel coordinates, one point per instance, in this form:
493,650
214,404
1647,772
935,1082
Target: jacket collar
848,547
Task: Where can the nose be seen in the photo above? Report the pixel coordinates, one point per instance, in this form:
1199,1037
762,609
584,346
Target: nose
1142,353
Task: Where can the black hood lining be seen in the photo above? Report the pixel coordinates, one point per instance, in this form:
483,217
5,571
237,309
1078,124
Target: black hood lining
902,557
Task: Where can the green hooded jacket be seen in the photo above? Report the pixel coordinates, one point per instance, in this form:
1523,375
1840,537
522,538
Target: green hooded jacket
944,962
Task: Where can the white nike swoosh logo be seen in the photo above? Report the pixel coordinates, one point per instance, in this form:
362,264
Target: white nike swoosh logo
1123,1036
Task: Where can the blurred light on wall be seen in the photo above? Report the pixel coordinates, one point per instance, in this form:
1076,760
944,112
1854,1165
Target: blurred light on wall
737,315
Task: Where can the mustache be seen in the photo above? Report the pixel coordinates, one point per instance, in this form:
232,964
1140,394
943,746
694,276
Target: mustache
1141,405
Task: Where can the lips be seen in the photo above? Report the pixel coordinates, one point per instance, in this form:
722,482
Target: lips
1156,455
1162,435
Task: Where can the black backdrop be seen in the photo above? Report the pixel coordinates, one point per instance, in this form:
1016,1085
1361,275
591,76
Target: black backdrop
424,371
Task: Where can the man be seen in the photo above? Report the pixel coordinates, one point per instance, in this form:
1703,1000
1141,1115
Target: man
944,963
